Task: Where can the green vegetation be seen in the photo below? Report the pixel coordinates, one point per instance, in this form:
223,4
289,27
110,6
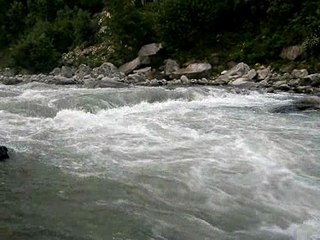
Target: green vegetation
36,33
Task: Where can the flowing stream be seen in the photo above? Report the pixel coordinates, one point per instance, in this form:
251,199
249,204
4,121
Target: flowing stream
196,163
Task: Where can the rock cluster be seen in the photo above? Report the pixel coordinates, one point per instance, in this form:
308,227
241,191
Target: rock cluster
144,71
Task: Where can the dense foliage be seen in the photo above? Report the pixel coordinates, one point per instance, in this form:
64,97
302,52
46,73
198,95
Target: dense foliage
36,33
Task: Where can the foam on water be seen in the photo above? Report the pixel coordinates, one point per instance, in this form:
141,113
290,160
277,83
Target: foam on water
204,162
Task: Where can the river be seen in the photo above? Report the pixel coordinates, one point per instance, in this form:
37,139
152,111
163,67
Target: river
154,163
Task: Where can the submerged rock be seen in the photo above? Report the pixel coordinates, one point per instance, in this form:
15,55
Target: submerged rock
107,82
304,104
3,153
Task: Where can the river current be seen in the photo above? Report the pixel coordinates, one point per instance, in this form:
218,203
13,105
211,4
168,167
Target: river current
194,163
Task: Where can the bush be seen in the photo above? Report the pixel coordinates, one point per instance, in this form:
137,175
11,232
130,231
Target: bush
36,52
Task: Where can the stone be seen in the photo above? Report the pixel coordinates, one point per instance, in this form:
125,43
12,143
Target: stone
312,79
301,73
66,72
147,73
263,73
59,80
109,70
144,71
292,52
264,83
3,153
222,80
202,81
56,71
107,82
309,103
154,83
240,81
286,76
130,66
11,80
184,80
82,71
194,70
277,84
270,90
149,49
170,67
294,82
284,87
239,70
135,78
251,74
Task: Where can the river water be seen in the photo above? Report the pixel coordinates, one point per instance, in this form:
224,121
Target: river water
155,163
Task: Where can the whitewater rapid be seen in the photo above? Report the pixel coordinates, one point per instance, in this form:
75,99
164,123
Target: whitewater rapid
196,163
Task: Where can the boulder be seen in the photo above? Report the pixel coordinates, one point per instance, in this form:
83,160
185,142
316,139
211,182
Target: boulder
170,67
264,72
56,71
146,56
66,72
3,153
135,78
83,70
203,81
312,79
299,73
240,81
147,72
149,50
251,74
107,82
11,80
184,80
59,80
264,83
130,66
292,52
310,103
238,70
109,70
194,70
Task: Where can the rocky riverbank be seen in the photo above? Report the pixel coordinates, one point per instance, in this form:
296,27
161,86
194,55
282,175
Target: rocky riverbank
149,69
170,74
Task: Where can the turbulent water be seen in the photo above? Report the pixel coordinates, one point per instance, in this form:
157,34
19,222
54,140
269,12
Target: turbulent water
155,163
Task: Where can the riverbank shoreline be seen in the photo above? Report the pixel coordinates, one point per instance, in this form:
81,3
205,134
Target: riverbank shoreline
240,76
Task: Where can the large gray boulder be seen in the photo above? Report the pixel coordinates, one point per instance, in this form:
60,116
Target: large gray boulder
107,70
238,70
130,66
194,70
149,50
146,56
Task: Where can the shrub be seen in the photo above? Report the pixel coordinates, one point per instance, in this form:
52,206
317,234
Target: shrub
36,52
